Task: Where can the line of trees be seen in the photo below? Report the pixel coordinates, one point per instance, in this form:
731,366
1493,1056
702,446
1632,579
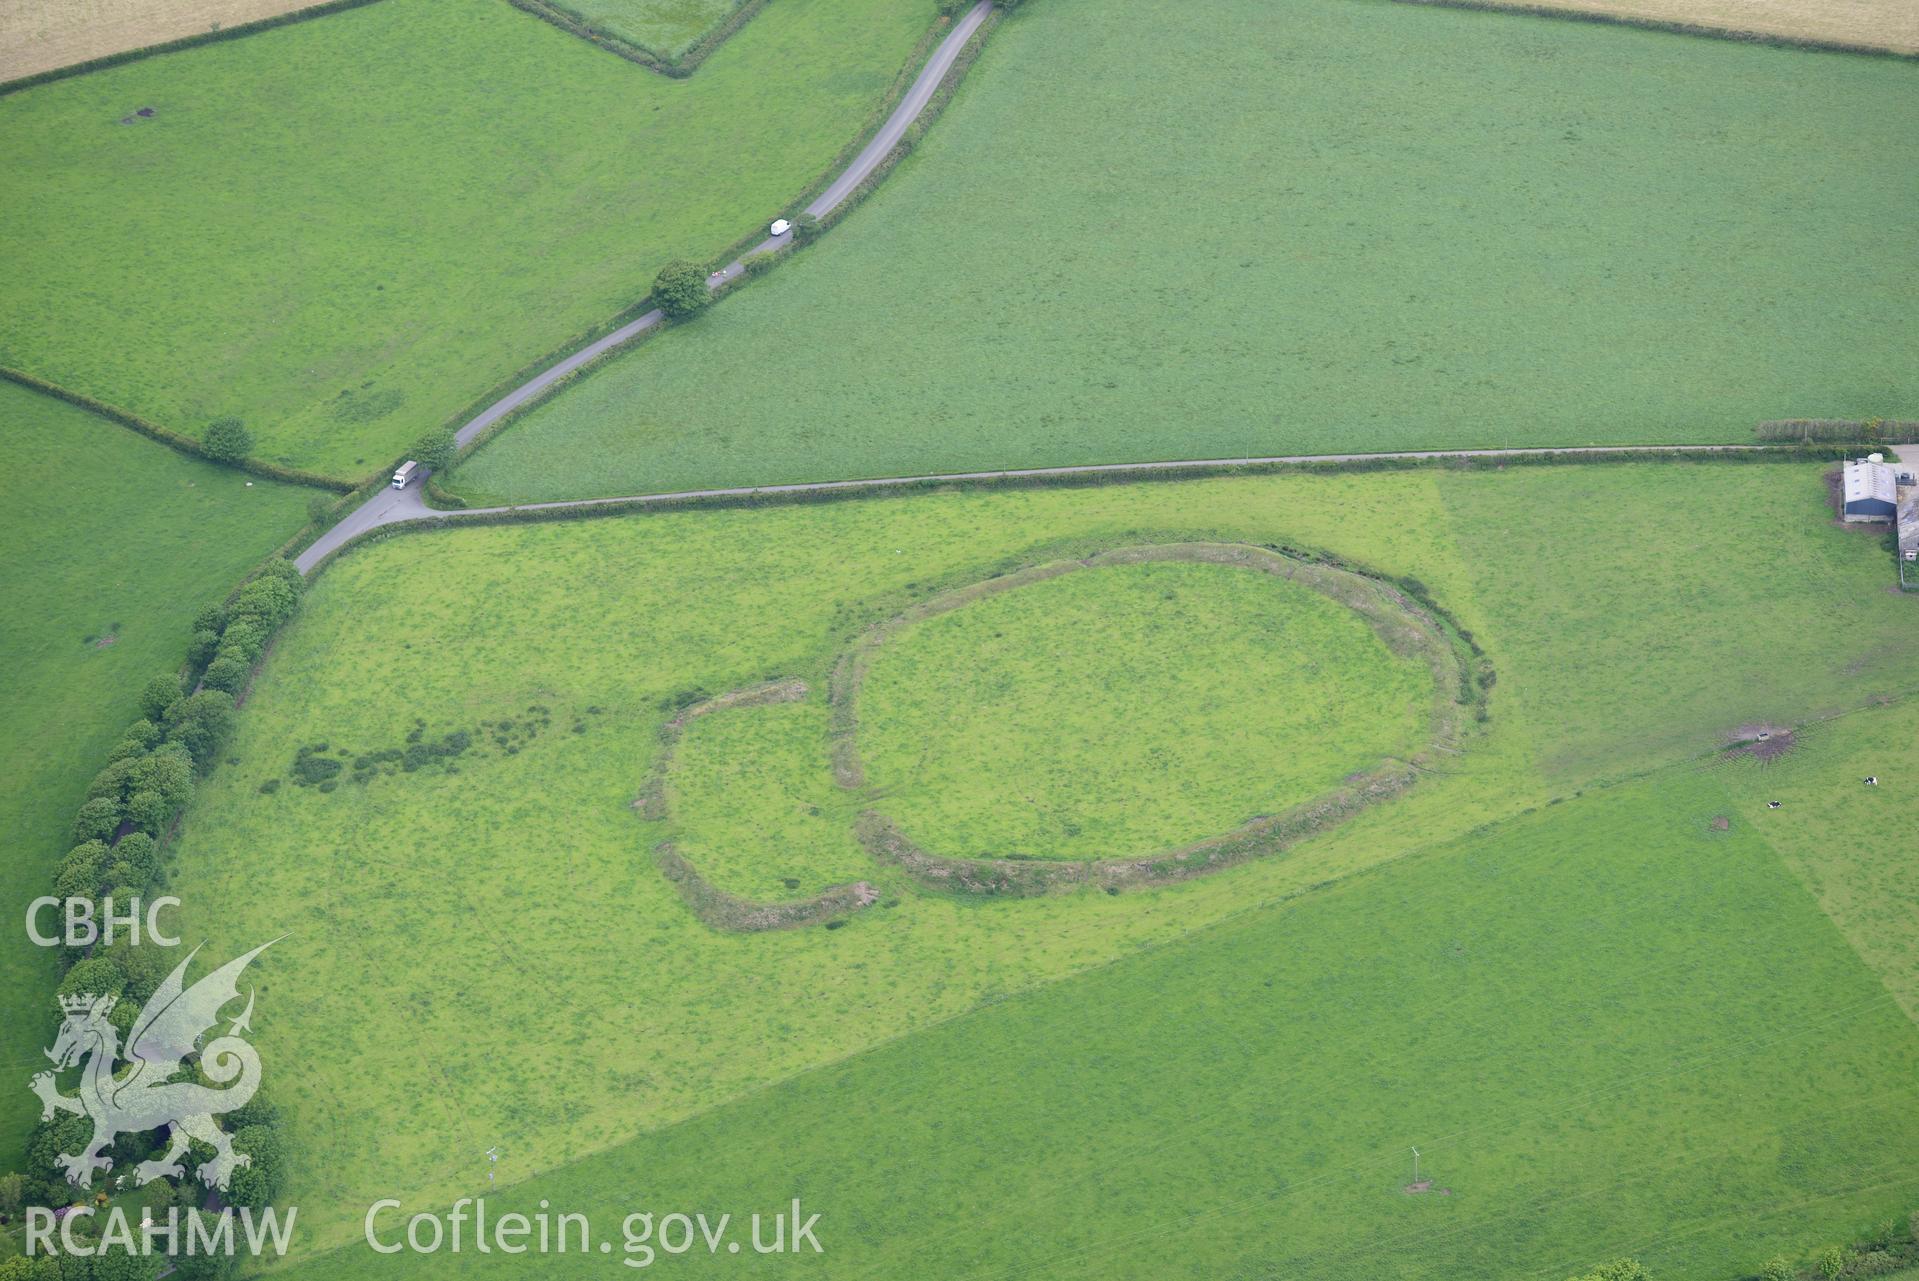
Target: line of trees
186,721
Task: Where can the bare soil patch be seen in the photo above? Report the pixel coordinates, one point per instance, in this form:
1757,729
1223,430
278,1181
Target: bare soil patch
1763,743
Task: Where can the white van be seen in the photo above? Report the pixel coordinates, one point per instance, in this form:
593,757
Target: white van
406,474
780,227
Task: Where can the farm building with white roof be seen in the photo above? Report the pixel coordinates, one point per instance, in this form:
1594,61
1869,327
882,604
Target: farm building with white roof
1870,490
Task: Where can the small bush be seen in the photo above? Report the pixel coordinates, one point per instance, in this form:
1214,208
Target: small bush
141,852
79,874
160,693
806,229
227,440
168,770
436,449
244,639
202,724
149,812
680,289
203,646
138,740
97,975
308,769
97,820
111,782
287,572
1831,1262
267,601
1617,1270
227,672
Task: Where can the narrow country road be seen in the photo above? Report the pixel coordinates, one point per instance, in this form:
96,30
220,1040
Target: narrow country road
400,506
390,505
397,506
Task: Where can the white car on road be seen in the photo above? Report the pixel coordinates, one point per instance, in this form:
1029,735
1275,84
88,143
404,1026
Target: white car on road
781,226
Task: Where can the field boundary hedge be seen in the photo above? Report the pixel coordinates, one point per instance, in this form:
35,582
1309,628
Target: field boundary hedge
679,68
1860,433
184,42
173,439
875,121
1118,474
1672,26
135,807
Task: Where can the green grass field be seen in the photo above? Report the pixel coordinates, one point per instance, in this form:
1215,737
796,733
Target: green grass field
1030,723
665,27
1565,1014
112,545
485,936
1147,231
1851,844
344,232
754,807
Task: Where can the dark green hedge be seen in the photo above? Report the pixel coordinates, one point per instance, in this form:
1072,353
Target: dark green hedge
173,439
134,804
1865,432
679,68
592,509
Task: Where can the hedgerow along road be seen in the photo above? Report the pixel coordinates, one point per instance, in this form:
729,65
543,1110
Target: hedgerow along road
404,506
391,505
400,506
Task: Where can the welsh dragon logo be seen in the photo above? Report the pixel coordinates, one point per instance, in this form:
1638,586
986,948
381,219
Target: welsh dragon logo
146,1096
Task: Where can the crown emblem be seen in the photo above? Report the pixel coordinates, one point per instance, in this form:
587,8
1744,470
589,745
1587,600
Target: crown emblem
83,1002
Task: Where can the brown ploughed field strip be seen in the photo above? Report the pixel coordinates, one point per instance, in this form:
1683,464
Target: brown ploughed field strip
37,36
1869,24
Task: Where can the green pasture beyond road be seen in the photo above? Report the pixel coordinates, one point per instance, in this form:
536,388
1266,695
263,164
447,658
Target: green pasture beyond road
485,936
1228,227
345,231
113,544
